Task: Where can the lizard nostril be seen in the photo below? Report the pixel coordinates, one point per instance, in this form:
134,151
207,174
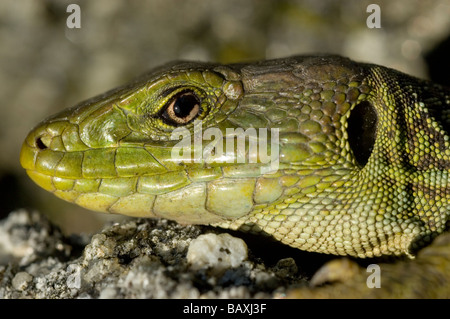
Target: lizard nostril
361,130
40,144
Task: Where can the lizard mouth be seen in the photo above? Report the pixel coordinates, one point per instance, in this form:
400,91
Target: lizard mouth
137,180
139,195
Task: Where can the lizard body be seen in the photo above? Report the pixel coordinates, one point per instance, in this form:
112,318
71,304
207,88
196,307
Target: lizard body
362,152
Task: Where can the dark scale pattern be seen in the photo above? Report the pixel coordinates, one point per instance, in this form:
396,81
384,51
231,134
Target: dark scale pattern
383,207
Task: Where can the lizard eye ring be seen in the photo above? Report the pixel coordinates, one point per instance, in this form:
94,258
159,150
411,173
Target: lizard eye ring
184,107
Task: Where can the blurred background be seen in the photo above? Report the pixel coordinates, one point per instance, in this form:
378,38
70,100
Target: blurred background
45,66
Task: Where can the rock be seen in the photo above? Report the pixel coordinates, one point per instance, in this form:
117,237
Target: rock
144,258
219,252
336,270
24,236
21,280
141,258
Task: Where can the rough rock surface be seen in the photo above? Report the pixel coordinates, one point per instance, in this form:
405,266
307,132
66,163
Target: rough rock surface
137,259
144,258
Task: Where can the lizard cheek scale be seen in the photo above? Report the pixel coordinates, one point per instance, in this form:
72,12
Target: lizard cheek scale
362,152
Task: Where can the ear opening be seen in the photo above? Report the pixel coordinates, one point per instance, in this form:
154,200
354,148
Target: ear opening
361,131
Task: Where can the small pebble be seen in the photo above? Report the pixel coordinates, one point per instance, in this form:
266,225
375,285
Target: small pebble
336,270
286,267
219,252
21,280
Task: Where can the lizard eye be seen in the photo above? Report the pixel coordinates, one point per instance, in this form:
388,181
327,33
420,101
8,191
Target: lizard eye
182,108
361,131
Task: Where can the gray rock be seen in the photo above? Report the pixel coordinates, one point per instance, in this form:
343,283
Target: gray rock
218,252
141,258
21,280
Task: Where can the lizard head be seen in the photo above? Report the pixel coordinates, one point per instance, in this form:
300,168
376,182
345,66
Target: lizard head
321,152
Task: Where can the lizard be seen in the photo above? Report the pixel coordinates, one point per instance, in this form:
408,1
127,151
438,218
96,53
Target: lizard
361,151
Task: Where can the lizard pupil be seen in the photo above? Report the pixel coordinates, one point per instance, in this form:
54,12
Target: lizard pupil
182,109
184,105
